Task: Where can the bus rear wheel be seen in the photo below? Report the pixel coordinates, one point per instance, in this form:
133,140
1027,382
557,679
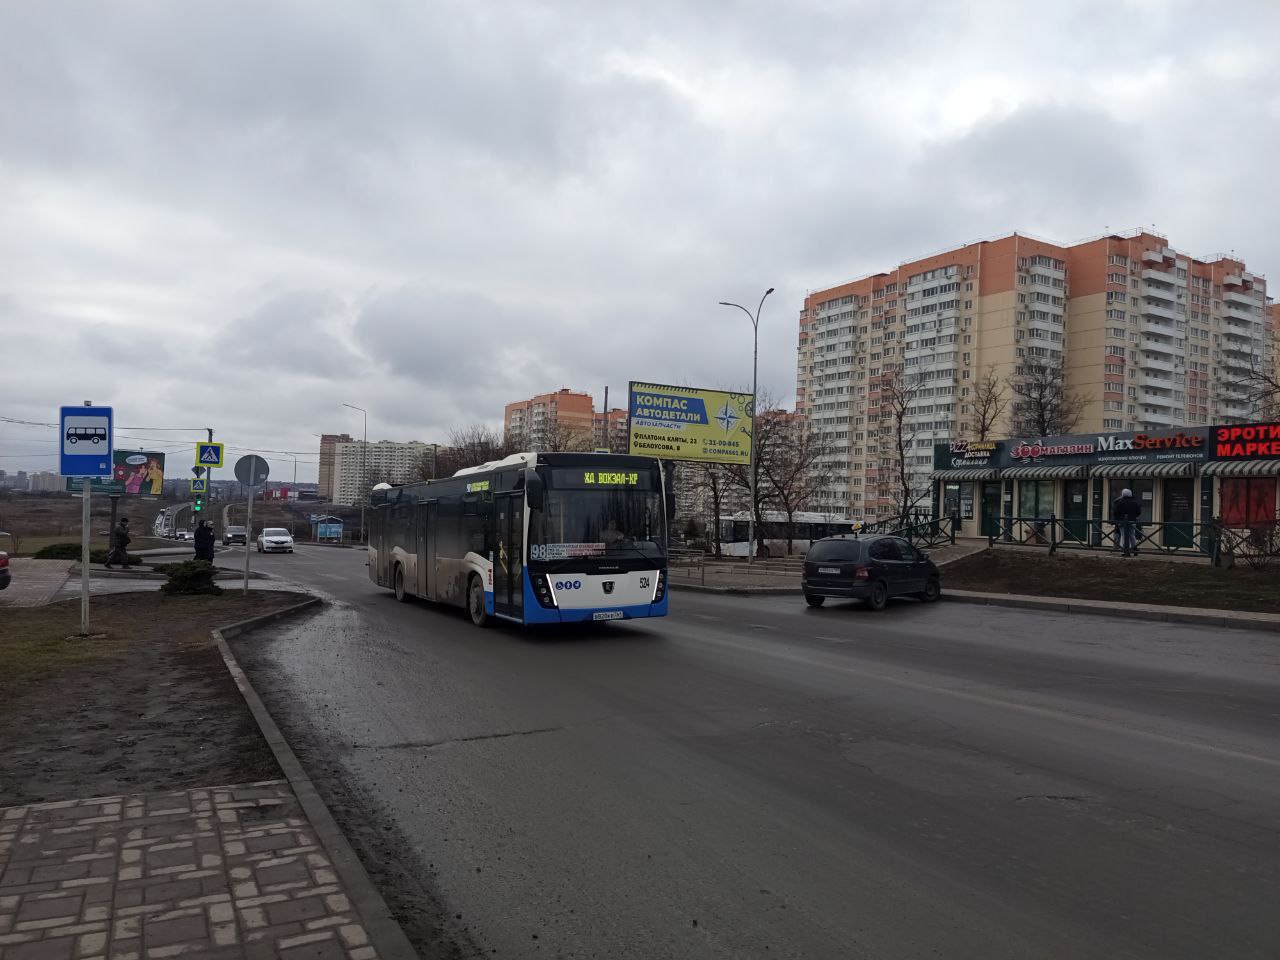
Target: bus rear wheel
475,603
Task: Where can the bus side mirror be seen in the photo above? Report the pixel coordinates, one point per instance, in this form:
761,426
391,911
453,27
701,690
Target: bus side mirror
535,491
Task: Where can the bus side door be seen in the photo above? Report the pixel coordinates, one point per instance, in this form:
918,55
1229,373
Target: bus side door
508,555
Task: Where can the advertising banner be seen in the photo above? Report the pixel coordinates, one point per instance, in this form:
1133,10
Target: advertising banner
1176,444
688,423
139,472
963,454
133,472
1247,441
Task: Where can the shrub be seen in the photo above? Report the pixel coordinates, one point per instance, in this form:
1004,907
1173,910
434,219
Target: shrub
190,577
71,551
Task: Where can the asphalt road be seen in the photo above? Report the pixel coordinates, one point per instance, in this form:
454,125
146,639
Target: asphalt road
750,778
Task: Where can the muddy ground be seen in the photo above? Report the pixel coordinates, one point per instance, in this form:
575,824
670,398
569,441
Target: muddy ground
147,706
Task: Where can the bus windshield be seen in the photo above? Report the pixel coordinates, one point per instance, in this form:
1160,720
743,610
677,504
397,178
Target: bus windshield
617,520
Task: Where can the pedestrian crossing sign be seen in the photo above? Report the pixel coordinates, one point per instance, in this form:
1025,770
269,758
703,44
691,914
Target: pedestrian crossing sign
208,454
199,485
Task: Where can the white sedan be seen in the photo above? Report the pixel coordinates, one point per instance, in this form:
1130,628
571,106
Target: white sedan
275,540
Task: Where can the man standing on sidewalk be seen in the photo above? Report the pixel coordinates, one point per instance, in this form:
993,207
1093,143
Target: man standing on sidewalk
118,551
1124,514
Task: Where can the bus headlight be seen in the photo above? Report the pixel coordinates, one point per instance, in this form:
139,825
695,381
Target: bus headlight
542,590
660,587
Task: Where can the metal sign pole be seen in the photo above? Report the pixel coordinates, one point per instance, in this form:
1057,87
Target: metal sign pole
248,537
85,485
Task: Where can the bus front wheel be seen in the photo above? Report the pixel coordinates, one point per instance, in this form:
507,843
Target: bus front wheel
401,595
475,603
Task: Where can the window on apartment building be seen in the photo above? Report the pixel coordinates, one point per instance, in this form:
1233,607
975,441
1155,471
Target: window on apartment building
1118,260
1022,279
1116,333
1110,423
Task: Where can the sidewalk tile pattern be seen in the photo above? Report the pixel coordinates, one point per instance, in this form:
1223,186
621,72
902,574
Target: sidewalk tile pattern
35,582
220,872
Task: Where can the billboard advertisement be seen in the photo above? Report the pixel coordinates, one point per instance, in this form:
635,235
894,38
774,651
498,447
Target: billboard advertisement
688,423
133,472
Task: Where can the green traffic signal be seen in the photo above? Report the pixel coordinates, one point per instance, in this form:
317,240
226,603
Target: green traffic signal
199,504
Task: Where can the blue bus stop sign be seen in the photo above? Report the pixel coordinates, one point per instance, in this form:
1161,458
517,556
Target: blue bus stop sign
85,441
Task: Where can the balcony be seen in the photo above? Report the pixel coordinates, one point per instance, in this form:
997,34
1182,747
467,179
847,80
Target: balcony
1163,276
1243,297
1161,383
1157,256
1154,361
1154,292
1247,314
1161,418
1158,310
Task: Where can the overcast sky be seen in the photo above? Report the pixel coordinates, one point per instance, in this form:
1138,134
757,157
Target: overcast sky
243,214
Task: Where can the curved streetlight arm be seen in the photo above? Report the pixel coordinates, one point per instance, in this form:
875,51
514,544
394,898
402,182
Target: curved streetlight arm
755,319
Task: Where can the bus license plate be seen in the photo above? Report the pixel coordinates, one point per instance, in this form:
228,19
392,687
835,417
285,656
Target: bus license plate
607,615
828,569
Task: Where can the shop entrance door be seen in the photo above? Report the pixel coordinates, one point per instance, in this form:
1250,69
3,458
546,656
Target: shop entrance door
1075,511
1179,529
990,526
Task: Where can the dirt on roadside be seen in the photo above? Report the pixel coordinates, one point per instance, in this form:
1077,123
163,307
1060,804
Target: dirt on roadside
1132,580
148,705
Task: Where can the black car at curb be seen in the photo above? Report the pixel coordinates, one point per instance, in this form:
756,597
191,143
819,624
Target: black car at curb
871,568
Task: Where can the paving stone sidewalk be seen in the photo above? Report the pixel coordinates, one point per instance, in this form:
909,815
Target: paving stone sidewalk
35,582
221,872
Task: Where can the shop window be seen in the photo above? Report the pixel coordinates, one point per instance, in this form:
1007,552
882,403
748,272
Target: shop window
1248,500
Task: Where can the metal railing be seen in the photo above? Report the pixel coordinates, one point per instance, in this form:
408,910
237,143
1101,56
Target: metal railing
1209,540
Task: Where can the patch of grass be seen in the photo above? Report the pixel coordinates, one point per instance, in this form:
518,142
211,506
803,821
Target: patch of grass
34,642
1099,577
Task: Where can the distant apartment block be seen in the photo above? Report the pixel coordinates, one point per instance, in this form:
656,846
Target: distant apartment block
1152,337
549,419
356,469
327,443
46,482
609,431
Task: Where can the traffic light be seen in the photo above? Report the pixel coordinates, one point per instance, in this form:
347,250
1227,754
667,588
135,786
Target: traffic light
198,505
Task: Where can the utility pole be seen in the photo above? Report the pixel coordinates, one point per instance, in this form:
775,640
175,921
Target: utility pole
755,367
364,466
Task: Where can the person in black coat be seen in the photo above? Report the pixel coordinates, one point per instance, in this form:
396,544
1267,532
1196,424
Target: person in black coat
204,541
1125,512
119,548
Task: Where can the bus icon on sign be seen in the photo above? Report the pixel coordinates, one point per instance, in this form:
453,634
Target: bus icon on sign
94,435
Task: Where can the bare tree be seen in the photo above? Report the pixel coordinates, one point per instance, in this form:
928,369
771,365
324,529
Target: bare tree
793,464
990,400
709,480
739,475
1261,388
1042,404
563,437
467,447
898,393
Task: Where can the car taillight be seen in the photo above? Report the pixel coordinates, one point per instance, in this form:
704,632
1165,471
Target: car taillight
660,588
862,573
542,590
4,560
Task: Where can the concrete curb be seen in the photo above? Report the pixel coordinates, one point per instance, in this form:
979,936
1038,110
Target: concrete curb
384,932
1201,616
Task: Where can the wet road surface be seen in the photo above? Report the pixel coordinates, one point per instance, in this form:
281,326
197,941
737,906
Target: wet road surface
750,778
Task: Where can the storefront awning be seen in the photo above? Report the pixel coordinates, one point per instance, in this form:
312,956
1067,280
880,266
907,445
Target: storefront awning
1242,468
1126,470
969,473
1043,473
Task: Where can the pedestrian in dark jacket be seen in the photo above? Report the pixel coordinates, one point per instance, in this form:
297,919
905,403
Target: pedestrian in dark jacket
118,551
1125,512
204,542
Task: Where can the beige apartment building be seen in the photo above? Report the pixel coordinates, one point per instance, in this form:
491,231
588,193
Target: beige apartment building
1152,338
358,466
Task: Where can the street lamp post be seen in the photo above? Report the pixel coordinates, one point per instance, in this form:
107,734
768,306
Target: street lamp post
755,366
364,464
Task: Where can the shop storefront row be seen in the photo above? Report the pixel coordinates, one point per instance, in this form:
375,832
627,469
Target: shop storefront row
1183,479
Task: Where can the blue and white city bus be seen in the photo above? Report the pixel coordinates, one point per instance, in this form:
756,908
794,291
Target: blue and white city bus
534,538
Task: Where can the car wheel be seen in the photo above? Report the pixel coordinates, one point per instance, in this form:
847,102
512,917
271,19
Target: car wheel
813,601
879,596
931,592
475,603
399,586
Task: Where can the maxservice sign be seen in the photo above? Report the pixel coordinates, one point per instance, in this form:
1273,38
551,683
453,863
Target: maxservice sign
1247,441
1190,443
687,423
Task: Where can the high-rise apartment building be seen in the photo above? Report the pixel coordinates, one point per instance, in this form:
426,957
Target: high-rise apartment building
1151,338
327,443
610,431
551,419
356,469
